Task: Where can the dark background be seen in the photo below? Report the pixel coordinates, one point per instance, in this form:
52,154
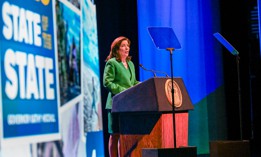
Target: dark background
238,25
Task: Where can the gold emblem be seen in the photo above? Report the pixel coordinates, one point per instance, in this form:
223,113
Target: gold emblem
177,93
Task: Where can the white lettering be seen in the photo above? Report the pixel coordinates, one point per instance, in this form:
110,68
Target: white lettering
47,118
18,119
29,16
36,118
31,80
49,78
94,153
11,87
22,25
15,13
8,27
21,61
37,30
39,63
34,75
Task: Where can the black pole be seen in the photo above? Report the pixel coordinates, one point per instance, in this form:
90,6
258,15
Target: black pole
172,96
239,98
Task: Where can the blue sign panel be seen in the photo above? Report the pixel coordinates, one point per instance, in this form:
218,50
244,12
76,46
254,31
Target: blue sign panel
29,84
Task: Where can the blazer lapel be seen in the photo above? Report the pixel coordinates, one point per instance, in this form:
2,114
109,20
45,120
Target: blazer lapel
131,71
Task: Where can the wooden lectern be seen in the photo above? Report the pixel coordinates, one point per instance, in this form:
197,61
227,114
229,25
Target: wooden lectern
145,113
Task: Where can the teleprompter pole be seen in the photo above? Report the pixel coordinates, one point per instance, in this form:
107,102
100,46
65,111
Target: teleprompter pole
172,96
239,98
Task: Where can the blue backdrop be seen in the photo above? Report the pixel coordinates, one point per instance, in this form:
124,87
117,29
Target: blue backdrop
198,62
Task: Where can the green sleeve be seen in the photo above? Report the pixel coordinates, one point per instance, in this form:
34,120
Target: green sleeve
109,79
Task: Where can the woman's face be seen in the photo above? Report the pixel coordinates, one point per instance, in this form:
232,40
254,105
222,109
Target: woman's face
124,49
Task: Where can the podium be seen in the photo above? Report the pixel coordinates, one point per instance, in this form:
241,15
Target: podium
145,116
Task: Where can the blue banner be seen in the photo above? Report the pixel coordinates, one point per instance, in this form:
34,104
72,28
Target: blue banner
29,81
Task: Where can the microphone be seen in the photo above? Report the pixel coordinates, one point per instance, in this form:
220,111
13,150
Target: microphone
162,73
154,73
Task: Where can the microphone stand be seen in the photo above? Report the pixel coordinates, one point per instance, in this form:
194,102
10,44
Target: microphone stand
172,95
154,73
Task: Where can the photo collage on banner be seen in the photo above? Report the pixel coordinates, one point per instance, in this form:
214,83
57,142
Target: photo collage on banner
68,33
81,117
78,86
91,84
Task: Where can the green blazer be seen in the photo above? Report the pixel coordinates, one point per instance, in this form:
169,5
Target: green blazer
116,78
